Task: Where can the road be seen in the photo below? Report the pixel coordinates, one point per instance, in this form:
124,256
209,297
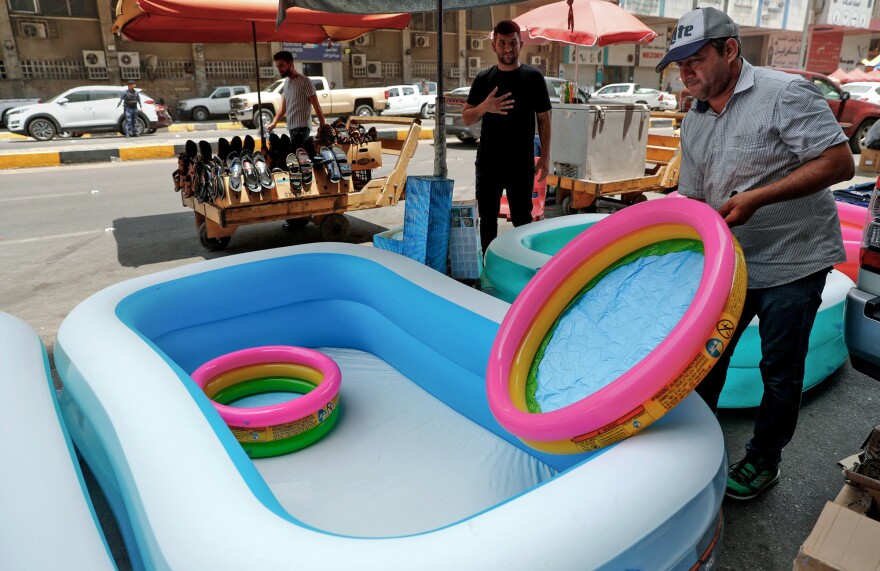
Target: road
68,232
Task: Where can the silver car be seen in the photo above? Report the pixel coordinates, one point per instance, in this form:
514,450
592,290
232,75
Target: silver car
861,324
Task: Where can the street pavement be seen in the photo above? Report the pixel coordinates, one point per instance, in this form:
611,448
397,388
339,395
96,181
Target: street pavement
67,232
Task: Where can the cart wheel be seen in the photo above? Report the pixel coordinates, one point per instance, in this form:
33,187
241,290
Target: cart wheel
565,207
212,244
297,223
638,198
334,228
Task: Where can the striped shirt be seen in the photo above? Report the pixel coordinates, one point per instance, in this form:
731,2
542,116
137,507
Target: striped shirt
773,123
297,90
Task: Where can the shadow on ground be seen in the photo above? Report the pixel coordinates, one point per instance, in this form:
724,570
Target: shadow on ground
145,240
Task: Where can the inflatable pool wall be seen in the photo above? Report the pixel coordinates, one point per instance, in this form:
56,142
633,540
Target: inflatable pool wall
188,497
48,518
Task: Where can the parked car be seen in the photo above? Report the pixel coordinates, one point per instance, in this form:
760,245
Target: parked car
861,322
86,109
164,118
409,100
635,93
217,103
7,104
863,90
456,99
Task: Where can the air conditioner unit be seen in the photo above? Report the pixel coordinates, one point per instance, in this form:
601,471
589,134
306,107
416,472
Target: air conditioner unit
535,60
94,58
421,41
362,40
374,69
129,59
473,63
34,29
476,44
453,72
358,60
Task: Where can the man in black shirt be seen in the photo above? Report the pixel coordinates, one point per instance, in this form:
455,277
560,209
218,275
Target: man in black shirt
508,97
132,102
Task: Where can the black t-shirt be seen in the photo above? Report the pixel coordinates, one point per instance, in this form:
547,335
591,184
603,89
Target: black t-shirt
511,137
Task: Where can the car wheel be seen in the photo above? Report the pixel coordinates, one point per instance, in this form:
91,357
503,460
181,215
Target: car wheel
141,126
364,111
42,129
857,141
424,113
200,114
266,117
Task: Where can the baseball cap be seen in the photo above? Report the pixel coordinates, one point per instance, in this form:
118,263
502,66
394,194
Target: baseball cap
130,81
694,30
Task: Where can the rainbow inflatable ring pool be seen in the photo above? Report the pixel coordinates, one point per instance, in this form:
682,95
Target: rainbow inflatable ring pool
514,258
416,474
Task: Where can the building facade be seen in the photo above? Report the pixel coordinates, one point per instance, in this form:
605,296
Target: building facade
51,45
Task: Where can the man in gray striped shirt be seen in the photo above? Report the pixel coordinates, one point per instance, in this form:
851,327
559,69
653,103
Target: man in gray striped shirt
299,95
762,147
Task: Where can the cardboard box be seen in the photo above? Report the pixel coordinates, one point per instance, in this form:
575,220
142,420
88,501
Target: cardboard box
846,536
843,539
869,161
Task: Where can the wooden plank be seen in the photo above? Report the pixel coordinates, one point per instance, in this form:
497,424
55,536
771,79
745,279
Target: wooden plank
663,140
659,154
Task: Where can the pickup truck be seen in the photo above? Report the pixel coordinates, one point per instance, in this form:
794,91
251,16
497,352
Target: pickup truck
635,93
361,101
7,104
409,100
217,103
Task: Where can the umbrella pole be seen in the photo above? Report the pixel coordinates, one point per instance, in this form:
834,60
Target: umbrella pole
258,116
440,169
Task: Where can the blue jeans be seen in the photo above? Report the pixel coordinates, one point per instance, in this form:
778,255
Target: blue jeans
786,315
131,114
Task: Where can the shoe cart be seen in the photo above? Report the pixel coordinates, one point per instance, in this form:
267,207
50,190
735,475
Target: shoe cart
604,151
322,201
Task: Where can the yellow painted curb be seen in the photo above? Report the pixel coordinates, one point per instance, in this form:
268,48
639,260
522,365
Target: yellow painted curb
427,133
11,136
143,153
20,161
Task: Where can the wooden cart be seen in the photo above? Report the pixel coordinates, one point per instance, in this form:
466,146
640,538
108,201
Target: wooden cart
322,202
662,160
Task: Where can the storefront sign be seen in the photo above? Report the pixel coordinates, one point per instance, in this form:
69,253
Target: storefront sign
849,13
651,54
314,52
785,50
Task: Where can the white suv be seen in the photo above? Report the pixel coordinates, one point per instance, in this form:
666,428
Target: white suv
87,109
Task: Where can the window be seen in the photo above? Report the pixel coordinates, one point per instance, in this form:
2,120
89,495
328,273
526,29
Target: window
76,8
238,90
102,95
221,94
827,90
392,92
479,19
427,22
78,96
408,91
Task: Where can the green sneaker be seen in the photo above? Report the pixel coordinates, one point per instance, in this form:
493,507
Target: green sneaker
748,478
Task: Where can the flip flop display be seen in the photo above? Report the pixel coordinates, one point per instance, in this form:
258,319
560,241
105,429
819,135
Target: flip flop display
305,166
330,165
341,162
251,179
233,162
263,173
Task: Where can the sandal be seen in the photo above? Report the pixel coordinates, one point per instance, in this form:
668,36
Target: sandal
251,180
341,162
357,132
219,186
330,164
236,145
234,165
223,148
296,177
305,166
372,135
263,174
342,136
249,144
326,135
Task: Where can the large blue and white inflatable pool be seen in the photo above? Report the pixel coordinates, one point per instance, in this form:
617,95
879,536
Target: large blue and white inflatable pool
417,474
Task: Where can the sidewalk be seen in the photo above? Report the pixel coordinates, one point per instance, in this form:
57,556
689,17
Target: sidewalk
119,148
